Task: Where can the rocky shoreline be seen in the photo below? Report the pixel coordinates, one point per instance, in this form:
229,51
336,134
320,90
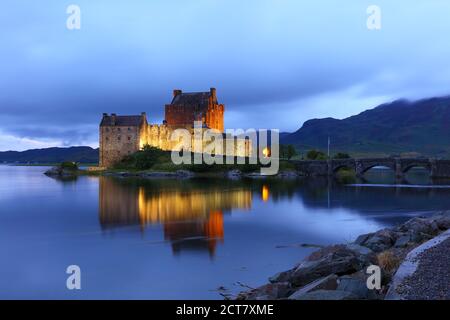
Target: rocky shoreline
339,272
181,174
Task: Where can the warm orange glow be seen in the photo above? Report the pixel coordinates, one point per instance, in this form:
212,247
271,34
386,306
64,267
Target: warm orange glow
265,193
214,225
266,152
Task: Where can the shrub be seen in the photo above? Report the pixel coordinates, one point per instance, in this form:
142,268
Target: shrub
68,165
388,261
315,155
341,155
287,151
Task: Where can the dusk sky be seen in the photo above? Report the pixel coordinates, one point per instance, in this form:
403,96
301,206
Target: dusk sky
275,63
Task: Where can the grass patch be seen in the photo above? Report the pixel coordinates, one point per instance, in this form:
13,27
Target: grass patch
388,261
154,159
346,176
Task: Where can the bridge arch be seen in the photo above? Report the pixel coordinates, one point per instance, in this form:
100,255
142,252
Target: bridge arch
418,165
343,166
337,164
408,164
364,165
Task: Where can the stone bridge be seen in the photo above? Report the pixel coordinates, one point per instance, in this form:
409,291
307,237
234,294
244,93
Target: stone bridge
437,168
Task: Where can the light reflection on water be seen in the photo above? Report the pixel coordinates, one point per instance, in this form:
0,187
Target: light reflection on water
182,238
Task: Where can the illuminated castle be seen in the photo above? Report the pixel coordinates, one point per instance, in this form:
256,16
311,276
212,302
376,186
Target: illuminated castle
124,135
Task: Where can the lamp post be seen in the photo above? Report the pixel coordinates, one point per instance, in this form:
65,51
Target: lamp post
328,147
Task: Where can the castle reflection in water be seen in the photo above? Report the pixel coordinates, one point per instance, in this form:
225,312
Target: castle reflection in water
191,215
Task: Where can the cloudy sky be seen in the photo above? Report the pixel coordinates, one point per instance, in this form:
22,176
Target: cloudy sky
275,63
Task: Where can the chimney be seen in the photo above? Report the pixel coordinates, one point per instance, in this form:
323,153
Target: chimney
143,114
213,93
113,119
176,92
105,114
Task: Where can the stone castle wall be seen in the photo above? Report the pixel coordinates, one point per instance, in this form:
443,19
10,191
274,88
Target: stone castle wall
184,116
117,142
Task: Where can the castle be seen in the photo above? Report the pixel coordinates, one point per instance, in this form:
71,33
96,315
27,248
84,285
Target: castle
124,135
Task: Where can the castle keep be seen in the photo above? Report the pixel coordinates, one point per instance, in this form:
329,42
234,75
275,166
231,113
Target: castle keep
123,135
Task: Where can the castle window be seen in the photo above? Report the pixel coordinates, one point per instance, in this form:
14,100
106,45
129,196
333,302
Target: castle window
118,138
118,129
129,129
129,138
107,139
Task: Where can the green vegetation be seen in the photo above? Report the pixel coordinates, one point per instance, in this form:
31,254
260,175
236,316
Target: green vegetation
154,159
346,176
287,151
71,166
341,155
315,155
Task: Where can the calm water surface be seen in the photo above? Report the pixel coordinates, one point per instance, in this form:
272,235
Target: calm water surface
170,239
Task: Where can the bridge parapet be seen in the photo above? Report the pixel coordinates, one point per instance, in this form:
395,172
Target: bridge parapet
440,168
437,168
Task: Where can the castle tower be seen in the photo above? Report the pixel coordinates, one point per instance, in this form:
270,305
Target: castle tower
120,136
187,107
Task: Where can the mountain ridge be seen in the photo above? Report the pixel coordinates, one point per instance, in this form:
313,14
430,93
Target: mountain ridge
420,128
81,154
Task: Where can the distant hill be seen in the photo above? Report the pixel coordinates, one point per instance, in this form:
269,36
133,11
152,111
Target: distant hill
398,128
51,155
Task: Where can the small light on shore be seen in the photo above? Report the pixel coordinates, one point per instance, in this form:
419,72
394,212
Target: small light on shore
266,152
265,193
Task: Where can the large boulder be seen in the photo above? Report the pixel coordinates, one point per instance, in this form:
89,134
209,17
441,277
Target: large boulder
281,276
378,241
356,284
269,291
420,225
442,220
336,259
327,295
404,240
420,229
325,283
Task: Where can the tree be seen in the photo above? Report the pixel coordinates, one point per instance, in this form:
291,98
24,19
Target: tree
287,151
341,155
291,151
315,155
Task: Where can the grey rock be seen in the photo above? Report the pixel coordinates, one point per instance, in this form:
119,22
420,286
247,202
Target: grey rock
287,174
281,276
356,285
363,238
269,291
420,226
329,260
326,283
234,174
403,241
60,172
184,173
327,295
442,220
380,240
361,250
